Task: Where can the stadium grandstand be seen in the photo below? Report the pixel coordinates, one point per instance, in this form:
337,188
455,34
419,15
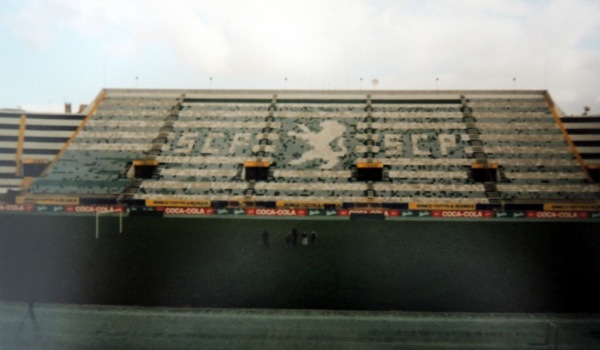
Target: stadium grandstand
421,202
386,151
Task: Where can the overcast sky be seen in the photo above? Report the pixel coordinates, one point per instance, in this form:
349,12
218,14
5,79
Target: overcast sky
55,51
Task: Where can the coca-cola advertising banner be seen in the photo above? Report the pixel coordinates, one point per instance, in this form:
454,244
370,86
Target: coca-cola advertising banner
275,212
557,215
461,214
93,209
186,211
293,212
17,207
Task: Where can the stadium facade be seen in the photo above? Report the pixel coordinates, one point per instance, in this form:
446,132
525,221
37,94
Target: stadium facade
333,153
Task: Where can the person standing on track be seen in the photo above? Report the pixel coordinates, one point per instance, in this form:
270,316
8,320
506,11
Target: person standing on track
304,238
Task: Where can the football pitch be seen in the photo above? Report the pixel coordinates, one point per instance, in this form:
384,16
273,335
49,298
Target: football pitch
441,266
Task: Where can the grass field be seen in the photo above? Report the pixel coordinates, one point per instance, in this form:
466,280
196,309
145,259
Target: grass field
358,265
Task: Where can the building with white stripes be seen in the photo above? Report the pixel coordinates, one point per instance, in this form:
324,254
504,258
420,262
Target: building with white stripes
584,132
29,142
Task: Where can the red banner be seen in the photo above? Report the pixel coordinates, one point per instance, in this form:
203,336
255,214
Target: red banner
16,207
557,215
471,214
275,212
92,209
186,211
390,212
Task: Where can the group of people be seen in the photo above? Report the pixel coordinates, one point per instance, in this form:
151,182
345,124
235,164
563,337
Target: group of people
293,238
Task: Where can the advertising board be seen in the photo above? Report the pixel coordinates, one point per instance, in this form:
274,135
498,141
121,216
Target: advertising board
275,212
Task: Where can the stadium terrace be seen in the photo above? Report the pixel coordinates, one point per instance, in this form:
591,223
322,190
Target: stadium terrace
397,154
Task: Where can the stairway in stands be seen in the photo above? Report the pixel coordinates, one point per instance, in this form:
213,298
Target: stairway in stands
491,190
157,146
262,152
369,154
167,127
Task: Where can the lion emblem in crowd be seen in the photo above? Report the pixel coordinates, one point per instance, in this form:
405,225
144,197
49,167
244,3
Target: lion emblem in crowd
321,143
